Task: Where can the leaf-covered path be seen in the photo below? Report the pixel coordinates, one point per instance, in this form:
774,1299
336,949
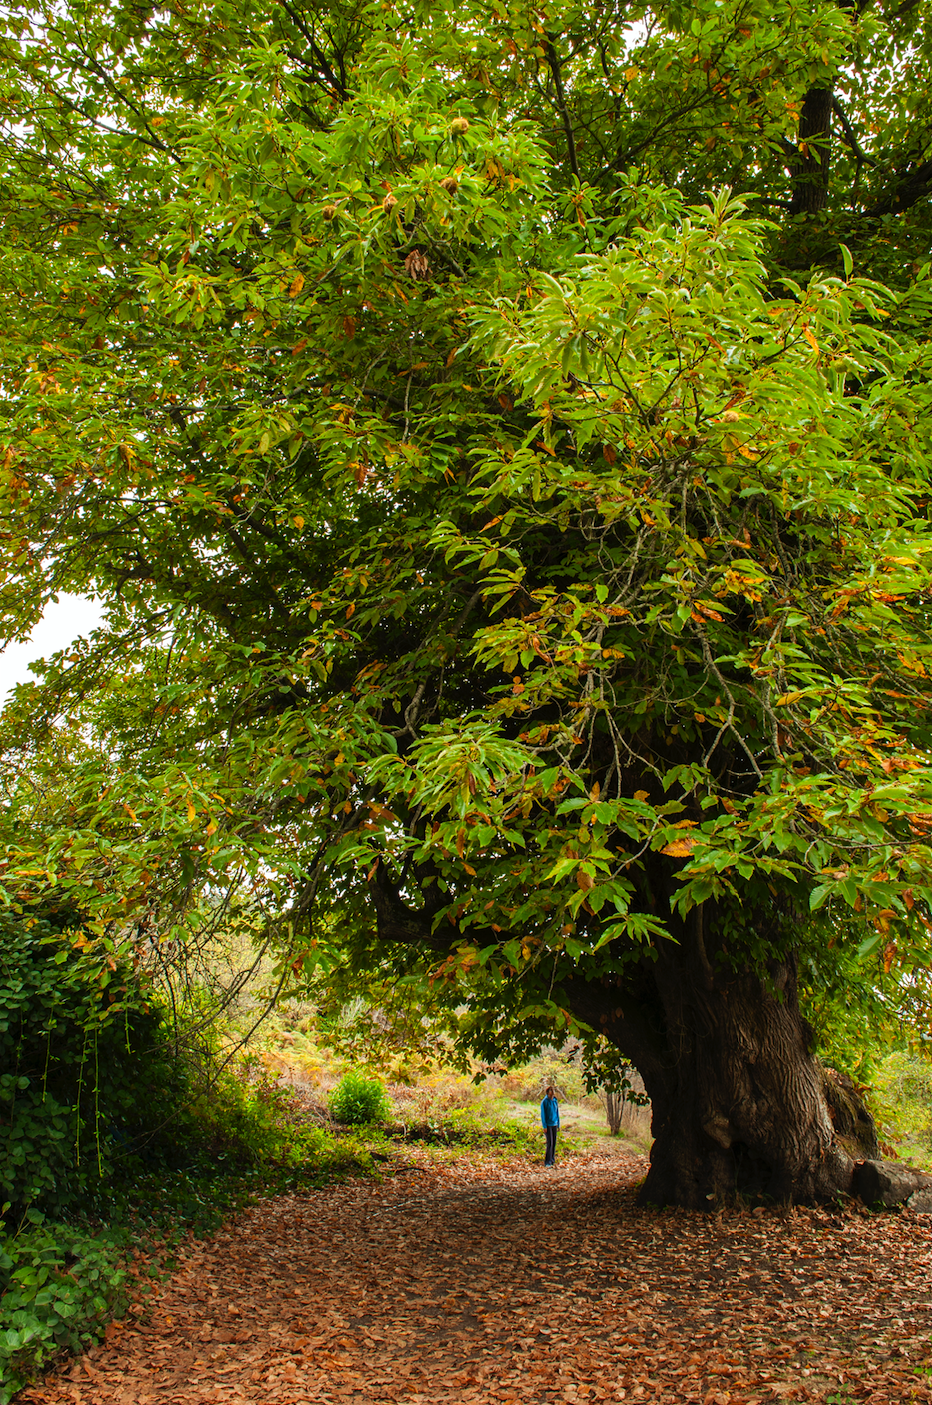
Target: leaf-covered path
474,1282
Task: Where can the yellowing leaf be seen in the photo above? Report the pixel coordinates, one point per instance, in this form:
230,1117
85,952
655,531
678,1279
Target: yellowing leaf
810,339
680,847
192,813
296,285
786,698
642,794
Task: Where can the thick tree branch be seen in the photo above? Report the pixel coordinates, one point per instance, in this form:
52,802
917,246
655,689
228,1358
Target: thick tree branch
396,922
337,84
908,189
813,153
554,65
849,136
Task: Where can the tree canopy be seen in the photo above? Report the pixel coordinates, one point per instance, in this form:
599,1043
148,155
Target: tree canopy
501,440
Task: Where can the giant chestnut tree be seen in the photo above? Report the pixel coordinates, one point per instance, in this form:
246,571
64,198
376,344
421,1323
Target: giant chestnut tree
501,441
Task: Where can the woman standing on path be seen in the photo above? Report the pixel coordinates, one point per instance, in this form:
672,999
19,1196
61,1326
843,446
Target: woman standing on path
550,1121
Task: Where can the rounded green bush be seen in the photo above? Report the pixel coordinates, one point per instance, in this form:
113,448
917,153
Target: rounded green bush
357,1099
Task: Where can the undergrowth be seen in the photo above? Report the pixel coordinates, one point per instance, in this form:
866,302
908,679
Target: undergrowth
63,1284
62,1280
118,1140
461,1127
901,1099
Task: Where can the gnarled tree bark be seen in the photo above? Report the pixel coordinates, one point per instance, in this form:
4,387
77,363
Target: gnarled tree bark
812,160
741,1106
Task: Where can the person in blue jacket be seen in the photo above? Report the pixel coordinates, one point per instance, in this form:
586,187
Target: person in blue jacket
550,1121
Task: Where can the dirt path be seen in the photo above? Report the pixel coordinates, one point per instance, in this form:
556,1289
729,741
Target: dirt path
481,1283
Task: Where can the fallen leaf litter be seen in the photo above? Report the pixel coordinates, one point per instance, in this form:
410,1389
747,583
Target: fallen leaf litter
476,1281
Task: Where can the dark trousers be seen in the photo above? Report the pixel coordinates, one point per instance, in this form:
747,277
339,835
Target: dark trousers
551,1134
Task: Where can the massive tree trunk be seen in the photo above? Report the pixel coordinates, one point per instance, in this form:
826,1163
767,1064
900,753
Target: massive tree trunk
740,1104
810,168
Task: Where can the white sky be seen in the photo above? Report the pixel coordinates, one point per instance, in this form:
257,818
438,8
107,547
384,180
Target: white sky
63,622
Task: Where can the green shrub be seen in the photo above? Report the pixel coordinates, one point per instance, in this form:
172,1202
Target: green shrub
901,1100
501,1134
357,1100
256,1121
60,1285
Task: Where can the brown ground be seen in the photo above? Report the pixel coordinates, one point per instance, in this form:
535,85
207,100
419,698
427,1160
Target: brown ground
481,1282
